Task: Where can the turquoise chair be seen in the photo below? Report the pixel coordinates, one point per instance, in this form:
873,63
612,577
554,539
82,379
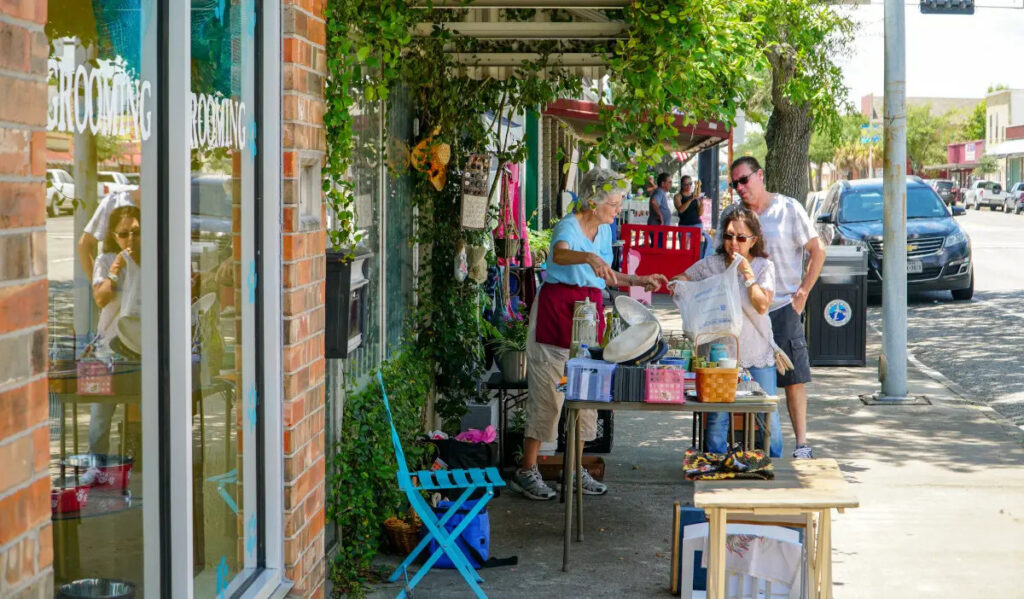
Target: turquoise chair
469,480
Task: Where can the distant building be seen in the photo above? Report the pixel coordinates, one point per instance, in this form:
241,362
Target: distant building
873,107
1004,134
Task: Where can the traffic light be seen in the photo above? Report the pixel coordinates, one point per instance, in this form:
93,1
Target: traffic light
947,7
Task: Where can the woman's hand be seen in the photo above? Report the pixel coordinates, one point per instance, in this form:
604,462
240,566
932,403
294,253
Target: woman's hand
746,271
654,282
115,268
601,268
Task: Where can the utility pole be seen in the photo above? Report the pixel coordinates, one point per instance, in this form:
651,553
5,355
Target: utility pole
894,223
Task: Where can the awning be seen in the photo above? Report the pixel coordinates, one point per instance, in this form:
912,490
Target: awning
1013,147
578,114
952,166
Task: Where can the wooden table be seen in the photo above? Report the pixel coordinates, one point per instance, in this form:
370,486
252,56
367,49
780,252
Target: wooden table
749,407
810,489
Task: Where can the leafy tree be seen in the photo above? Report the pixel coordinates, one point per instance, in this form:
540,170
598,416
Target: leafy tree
974,127
986,165
753,145
802,40
928,136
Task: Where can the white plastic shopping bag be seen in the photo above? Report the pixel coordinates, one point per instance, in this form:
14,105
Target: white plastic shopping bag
712,305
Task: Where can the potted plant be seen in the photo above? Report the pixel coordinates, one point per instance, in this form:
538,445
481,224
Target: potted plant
509,339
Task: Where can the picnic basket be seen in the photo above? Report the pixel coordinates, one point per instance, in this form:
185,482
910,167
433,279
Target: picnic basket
403,536
717,385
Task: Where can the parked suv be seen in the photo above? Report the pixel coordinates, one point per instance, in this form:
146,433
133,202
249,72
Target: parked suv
946,189
938,249
1016,200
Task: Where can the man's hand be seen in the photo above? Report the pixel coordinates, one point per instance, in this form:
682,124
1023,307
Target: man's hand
601,268
654,282
799,300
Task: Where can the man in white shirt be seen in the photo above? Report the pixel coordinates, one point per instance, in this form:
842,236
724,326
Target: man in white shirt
788,232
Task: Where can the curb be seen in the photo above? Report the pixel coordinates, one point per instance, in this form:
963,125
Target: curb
960,393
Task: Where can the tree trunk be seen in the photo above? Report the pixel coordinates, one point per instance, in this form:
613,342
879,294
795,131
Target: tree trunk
821,167
788,135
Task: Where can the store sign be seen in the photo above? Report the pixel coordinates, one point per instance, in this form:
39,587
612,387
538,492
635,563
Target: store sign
838,313
969,155
103,100
217,122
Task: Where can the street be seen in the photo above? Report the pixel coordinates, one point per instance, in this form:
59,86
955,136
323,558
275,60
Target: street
977,344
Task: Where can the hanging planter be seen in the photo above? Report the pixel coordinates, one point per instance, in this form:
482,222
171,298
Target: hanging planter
507,248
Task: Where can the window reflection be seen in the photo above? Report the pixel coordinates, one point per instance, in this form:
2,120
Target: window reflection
221,136
99,113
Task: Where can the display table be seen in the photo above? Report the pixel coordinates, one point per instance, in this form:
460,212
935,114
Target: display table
810,489
749,407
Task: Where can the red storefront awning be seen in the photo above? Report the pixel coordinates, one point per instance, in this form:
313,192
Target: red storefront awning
578,114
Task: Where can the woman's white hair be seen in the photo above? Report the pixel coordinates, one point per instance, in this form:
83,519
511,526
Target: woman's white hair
598,185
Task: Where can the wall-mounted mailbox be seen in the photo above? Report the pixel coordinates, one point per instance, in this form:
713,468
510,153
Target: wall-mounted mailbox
345,302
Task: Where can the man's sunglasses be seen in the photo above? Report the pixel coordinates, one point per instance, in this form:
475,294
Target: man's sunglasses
739,238
741,181
126,234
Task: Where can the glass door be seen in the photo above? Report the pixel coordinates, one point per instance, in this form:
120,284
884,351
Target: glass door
100,153
223,293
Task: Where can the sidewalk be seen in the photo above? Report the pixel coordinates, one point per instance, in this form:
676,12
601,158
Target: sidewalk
941,489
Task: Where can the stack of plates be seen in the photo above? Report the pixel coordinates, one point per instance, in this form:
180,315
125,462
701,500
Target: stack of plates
637,344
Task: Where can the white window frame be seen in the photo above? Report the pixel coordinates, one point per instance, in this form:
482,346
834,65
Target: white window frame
269,581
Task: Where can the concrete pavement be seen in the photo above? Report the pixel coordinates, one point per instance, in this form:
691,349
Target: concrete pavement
941,488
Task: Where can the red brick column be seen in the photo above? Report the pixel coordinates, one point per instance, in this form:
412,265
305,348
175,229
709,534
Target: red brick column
303,274
26,546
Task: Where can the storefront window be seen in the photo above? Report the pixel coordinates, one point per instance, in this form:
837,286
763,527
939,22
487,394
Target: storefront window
101,113
224,398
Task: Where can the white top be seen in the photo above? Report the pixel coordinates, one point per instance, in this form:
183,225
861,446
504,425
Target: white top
755,350
786,229
128,289
97,225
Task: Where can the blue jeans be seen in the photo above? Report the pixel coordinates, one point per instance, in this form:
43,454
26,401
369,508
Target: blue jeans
717,436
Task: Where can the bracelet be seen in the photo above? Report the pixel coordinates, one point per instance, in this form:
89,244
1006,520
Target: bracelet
113,277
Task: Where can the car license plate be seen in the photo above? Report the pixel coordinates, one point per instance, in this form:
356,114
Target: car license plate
914,267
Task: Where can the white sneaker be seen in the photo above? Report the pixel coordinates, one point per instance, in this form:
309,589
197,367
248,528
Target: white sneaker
531,484
803,452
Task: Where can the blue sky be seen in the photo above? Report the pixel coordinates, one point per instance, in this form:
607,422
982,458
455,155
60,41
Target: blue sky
947,55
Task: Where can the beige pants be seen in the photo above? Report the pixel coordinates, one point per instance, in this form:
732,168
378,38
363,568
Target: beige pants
545,365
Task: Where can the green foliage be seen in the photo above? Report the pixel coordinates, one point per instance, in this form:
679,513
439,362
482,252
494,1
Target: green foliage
928,136
974,127
363,490
690,56
753,145
509,335
986,164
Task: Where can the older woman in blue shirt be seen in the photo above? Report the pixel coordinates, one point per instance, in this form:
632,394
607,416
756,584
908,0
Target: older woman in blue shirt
578,269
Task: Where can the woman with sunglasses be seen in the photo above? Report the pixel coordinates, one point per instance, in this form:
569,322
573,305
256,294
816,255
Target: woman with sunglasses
742,241
116,284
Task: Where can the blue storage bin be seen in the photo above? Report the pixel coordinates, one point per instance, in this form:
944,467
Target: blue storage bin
589,380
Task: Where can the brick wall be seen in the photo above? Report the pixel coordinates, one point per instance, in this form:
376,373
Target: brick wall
303,273
26,547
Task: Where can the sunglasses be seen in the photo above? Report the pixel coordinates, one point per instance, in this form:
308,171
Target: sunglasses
741,181
739,238
126,234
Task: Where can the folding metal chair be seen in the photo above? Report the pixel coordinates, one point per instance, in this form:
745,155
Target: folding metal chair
412,485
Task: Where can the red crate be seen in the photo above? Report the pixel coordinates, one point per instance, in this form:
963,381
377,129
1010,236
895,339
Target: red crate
679,249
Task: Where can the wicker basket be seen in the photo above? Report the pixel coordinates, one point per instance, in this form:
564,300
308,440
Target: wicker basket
717,385
403,536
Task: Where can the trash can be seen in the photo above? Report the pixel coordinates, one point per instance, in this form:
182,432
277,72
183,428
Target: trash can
836,313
